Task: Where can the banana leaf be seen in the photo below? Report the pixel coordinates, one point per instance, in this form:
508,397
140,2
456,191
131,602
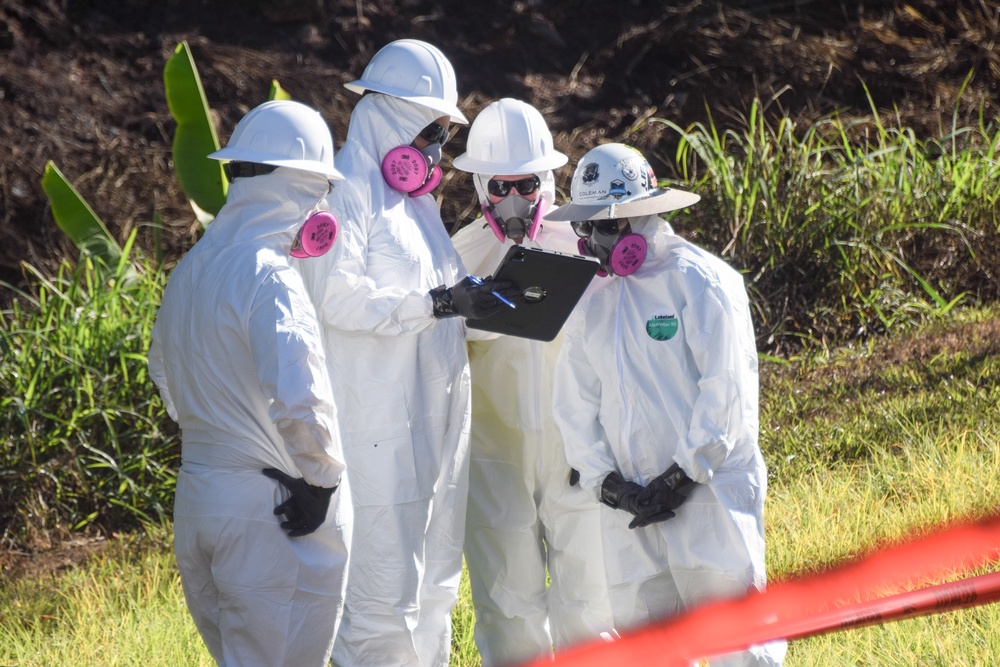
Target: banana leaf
277,92
201,178
74,216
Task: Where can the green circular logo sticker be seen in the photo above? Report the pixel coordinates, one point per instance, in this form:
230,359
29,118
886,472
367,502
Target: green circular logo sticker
662,327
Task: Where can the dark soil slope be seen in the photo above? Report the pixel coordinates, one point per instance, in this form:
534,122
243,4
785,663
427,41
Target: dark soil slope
81,80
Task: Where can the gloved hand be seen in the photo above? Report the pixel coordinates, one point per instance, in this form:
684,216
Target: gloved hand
470,300
574,476
305,510
621,495
662,496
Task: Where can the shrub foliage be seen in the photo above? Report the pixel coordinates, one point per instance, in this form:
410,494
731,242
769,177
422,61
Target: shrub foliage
845,229
85,439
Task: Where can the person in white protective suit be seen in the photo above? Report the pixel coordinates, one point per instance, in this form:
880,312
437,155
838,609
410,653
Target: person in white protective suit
400,371
656,395
238,357
527,518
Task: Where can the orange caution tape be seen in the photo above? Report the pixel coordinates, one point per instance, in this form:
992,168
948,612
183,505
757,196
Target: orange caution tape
839,599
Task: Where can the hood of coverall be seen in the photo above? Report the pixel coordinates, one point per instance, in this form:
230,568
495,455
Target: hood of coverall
269,209
380,123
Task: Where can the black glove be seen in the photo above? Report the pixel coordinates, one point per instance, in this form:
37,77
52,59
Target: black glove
305,510
621,495
574,476
662,496
470,300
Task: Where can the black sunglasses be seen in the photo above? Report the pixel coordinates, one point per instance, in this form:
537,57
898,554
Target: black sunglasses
524,187
434,134
584,228
235,169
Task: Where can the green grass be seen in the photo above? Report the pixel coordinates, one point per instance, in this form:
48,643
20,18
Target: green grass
86,440
865,447
123,608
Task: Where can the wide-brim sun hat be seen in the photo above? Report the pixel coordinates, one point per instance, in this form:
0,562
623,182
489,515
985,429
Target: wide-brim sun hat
615,181
661,200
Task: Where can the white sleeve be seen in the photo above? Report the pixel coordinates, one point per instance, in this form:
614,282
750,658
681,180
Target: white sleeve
158,373
480,252
717,419
479,248
287,350
352,297
577,401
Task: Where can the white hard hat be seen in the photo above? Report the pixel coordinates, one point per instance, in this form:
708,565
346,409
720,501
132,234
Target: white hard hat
414,71
615,181
283,133
509,137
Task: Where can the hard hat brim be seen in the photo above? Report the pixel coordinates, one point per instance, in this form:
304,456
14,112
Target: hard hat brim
659,201
436,103
231,153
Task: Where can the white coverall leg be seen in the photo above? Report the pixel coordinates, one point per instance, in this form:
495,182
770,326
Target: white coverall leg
659,367
401,377
237,355
241,572
443,564
525,521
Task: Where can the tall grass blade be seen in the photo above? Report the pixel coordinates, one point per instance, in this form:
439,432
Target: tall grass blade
87,440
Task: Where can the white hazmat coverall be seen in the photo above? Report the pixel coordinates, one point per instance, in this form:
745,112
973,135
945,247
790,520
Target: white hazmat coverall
401,379
660,367
524,519
238,357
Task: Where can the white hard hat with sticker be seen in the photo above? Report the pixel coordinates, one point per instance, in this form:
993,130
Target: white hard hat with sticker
615,181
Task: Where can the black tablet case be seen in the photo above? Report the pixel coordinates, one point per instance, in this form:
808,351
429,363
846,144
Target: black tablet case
550,283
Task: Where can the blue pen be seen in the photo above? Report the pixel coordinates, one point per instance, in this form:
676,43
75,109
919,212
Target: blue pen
479,281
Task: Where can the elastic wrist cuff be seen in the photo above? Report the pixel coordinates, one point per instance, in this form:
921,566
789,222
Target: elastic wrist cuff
609,495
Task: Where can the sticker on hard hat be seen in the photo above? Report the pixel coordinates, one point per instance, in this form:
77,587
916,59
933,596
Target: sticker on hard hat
662,327
629,169
618,189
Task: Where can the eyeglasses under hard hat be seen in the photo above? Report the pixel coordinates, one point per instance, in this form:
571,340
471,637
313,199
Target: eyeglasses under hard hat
524,187
584,228
434,134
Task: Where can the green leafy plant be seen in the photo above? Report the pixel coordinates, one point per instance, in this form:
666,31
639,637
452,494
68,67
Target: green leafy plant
77,219
842,229
89,441
277,92
201,178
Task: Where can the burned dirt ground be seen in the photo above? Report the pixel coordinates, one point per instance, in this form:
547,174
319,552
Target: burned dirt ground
81,81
